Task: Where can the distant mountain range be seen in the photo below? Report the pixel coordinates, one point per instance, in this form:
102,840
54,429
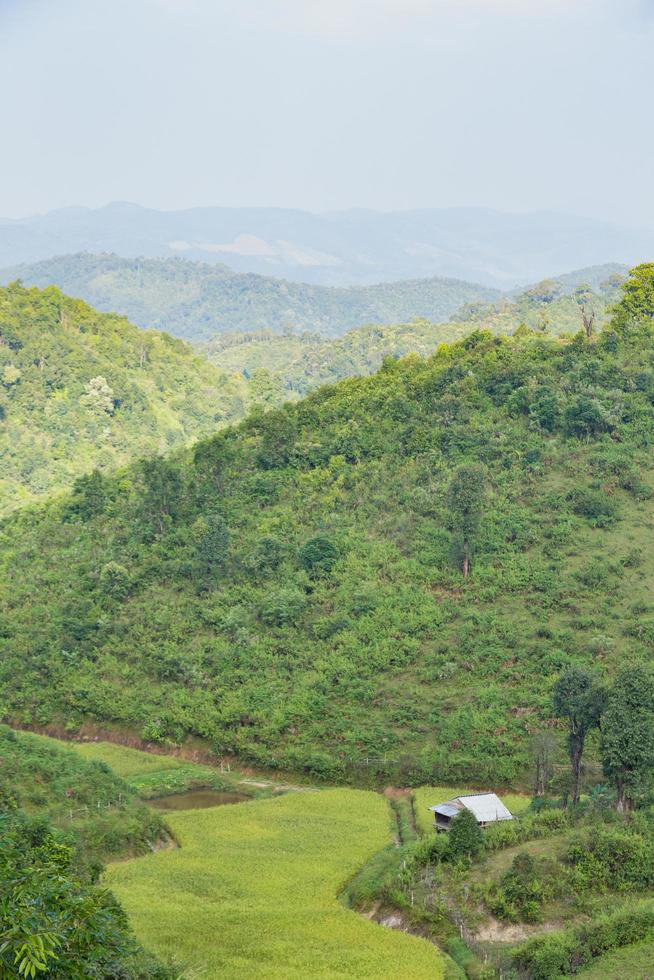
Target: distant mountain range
198,301
341,248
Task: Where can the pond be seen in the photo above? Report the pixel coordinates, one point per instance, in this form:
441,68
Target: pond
197,799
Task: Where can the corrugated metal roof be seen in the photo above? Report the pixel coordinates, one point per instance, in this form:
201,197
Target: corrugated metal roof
485,806
446,809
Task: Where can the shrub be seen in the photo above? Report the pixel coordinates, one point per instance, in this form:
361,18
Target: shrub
465,837
559,954
600,509
585,417
521,891
283,608
318,556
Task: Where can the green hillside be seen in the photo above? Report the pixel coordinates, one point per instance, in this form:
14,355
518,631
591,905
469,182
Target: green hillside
196,301
80,389
292,589
302,362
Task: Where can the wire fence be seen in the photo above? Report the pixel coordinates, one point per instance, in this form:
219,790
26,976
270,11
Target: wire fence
88,808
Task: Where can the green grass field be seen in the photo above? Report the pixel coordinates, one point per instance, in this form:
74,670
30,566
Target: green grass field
426,796
632,963
252,892
127,762
149,774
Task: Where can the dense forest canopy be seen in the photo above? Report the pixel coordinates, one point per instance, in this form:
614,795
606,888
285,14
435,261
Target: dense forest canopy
293,590
197,301
301,362
80,389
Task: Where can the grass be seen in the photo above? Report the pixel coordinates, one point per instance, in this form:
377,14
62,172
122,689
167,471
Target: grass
127,762
150,775
252,892
426,796
47,779
635,962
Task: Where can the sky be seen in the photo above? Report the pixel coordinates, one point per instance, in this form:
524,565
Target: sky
517,105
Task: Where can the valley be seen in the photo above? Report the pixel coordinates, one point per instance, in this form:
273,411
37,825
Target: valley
294,879
327,490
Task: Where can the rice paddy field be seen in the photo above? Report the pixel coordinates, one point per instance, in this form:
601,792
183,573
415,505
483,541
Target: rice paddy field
252,892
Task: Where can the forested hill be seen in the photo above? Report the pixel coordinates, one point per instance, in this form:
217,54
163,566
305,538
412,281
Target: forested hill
301,362
80,389
293,588
196,301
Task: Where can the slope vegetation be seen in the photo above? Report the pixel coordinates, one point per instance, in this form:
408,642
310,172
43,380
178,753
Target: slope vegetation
197,301
300,362
80,389
292,590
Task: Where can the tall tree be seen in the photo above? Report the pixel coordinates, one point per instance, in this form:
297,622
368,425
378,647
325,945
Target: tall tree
161,491
542,748
578,698
628,734
637,302
465,498
584,297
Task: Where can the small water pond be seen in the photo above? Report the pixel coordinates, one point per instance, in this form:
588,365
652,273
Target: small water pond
197,799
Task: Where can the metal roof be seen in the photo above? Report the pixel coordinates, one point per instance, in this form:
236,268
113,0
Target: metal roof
485,806
446,809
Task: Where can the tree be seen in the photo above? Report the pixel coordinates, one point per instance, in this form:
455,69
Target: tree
542,748
89,497
584,297
628,734
318,556
465,838
99,396
578,698
11,375
545,291
637,302
114,580
465,499
266,389
162,489
211,536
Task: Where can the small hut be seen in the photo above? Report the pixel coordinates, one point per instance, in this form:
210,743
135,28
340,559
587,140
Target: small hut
486,807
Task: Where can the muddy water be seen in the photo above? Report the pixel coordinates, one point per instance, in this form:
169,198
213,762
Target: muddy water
197,799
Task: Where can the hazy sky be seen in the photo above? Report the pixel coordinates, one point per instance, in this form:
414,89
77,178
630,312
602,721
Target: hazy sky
326,104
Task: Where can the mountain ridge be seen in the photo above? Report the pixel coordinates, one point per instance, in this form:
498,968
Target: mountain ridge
340,248
196,301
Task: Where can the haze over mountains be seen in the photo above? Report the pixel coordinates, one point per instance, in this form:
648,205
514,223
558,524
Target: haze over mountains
198,301
338,248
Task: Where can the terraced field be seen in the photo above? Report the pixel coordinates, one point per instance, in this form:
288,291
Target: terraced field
252,892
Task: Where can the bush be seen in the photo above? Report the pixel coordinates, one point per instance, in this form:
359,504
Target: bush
521,891
283,608
600,509
465,837
559,954
318,556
